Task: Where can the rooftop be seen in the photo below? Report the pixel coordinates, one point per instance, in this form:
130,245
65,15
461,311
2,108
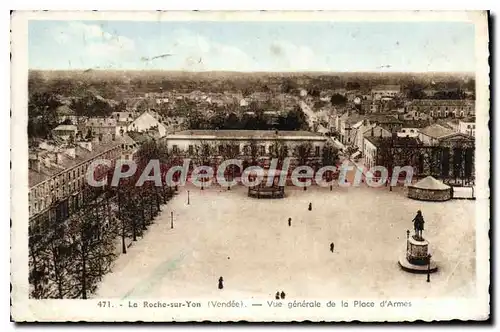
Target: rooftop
48,170
436,131
65,128
64,110
415,123
384,118
431,183
101,122
397,141
354,118
444,102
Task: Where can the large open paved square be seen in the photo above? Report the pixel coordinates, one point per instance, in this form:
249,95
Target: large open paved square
248,242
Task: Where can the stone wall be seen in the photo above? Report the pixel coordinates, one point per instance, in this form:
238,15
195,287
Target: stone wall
429,195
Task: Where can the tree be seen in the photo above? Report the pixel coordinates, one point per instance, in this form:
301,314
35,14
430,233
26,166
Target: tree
338,99
302,152
195,119
42,116
232,122
295,120
38,261
279,150
231,151
329,157
352,86
416,91
288,85
91,106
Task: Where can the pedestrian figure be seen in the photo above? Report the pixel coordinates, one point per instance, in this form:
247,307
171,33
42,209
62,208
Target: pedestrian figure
277,295
289,221
282,295
310,206
332,247
221,285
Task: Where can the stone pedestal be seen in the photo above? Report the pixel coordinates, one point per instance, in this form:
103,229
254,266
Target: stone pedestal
415,259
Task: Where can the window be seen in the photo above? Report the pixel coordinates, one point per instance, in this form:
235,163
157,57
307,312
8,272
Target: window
175,149
236,149
432,113
262,149
439,114
468,127
246,150
316,151
190,149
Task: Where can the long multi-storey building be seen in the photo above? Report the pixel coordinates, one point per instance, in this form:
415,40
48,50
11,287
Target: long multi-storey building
58,173
240,143
436,108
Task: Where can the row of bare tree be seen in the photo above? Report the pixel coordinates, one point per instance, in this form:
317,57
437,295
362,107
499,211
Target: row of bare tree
68,258
204,152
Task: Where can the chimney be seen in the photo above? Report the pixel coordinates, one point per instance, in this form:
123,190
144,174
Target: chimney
34,163
59,157
85,145
71,152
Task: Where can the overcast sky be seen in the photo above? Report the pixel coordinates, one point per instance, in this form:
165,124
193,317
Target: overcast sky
253,46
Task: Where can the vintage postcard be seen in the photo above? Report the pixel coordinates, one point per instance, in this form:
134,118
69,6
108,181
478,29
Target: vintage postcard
250,166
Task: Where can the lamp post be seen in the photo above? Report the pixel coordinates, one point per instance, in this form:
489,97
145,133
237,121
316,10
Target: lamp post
429,267
188,197
172,219
407,237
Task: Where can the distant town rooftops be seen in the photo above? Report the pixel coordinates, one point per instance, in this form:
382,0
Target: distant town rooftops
245,134
389,87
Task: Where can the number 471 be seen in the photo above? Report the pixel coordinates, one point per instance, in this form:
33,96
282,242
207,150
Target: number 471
104,304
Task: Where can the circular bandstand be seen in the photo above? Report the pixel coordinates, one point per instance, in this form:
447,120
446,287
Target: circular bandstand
430,189
268,187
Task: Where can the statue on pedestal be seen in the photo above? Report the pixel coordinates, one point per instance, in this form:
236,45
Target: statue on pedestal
418,224
416,257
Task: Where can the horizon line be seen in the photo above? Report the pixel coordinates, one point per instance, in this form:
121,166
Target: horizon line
252,72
